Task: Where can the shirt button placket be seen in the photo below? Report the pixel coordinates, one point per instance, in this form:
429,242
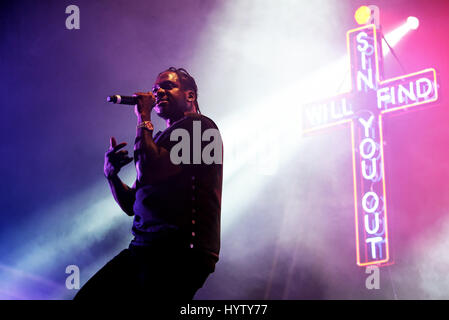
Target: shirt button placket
193,210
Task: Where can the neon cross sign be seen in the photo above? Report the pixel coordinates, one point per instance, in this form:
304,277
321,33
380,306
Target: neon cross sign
363,107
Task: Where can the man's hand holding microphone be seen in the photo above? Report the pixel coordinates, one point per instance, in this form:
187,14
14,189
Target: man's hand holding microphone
115,158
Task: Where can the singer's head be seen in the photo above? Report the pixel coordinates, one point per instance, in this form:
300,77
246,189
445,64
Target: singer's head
176,92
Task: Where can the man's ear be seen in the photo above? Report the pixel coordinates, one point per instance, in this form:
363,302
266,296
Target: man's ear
190,95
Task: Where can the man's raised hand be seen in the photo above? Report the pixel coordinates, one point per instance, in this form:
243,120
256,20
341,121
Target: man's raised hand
115,159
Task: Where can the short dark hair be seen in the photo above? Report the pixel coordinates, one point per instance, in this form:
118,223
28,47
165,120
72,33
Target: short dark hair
187,82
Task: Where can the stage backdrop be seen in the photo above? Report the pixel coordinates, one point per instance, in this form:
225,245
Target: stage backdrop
288,227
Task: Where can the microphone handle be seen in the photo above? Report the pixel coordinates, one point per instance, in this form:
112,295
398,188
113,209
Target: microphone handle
129,100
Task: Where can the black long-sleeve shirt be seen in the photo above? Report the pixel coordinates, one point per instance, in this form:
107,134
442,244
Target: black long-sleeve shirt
187,205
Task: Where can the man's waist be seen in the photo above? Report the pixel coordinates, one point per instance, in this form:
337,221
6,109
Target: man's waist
173,243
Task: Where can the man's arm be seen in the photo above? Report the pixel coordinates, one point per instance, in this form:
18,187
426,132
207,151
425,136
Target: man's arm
123,195
114,160
152,161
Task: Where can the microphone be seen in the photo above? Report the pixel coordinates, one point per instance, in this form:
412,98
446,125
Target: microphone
129,100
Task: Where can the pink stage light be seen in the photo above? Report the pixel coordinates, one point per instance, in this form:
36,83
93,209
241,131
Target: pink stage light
397,34
413,23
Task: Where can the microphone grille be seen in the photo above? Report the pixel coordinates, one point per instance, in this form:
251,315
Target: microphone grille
114,99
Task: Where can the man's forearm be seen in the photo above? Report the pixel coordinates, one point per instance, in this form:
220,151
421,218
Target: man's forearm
123,195
146,152
145,146
153,163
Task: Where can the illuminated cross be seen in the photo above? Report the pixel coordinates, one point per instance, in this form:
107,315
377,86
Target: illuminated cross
363,108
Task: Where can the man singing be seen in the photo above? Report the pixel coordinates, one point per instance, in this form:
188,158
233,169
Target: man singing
176,203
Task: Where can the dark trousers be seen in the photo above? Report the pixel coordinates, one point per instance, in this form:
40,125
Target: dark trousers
150,273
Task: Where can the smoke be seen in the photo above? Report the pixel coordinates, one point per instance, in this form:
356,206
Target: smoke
65,237
287,209
421,271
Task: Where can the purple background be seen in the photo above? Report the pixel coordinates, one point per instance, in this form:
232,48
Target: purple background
56,127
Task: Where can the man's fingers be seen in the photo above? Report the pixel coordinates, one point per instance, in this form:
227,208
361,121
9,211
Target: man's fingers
143,95
117,156
112,142
129,159
125,161
119,146
115,148
139,95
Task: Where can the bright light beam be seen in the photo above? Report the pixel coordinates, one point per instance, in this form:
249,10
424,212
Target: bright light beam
397,34
413,23
92,219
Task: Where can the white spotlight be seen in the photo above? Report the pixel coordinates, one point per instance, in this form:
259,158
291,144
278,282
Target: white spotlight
413,23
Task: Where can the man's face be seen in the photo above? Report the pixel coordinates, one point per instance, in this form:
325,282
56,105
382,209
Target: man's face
170,98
